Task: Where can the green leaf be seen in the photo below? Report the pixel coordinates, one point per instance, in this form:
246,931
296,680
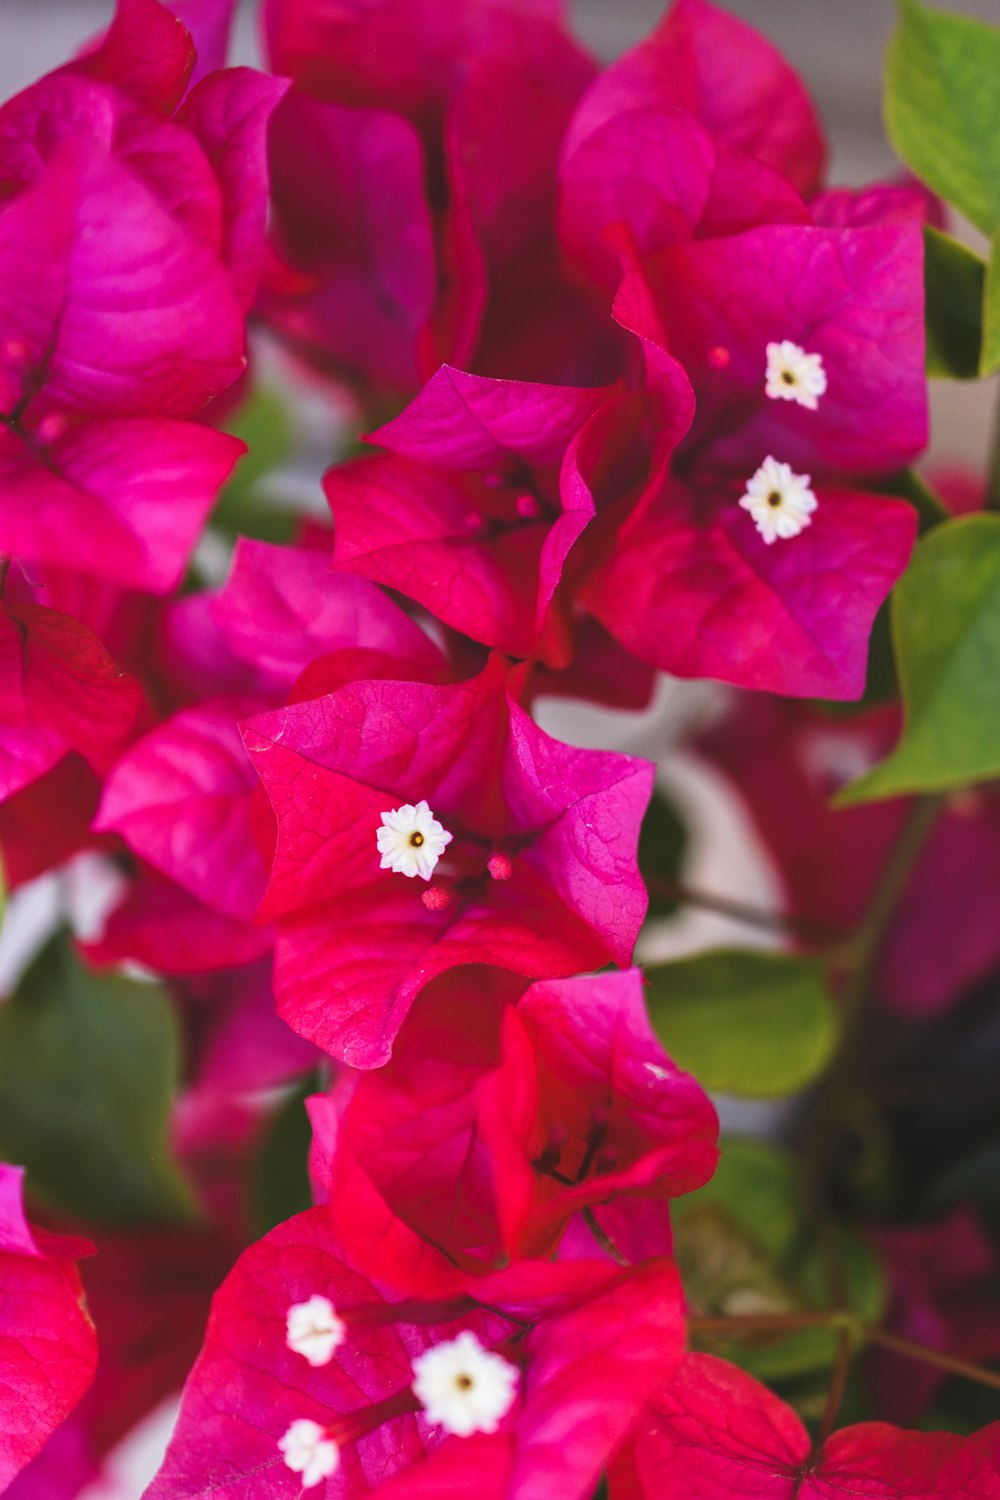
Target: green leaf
88,1063
744,1247
663,843
989,359
281,1176
909,485
744,1022
946,628
942,106
953,285
265,425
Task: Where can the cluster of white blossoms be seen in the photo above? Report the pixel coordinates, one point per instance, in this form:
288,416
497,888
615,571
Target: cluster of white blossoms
463,1387
308,1449
780,502
411,840
794,375
313,1330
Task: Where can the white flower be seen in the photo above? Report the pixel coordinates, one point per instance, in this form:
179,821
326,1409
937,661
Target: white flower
464,1387
794,375
308,1451
314,1330
780,502
411,841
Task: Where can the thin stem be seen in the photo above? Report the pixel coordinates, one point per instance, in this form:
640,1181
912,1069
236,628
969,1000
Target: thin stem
882,909
604,1240
4,570
754,916
941,1361
838,1384
749,1323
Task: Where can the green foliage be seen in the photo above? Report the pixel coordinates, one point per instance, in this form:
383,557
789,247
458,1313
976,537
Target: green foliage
946,627
663,843
265,425
88,1064
745,1247
989,359
744,1022
954,278
942,106
281,1175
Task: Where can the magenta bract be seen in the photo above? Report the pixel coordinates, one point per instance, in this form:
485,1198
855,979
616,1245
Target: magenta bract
47,1341
566,819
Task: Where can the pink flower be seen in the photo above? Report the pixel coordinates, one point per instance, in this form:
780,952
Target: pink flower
732,79
487,1140
61,691
714,1432
130,245
383,277
357,943
468,515
48,1343
582,1345
751,556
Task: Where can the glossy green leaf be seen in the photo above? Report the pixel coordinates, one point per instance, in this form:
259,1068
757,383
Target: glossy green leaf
88,1064
946,627
744,1022
989,359
953,284
942,106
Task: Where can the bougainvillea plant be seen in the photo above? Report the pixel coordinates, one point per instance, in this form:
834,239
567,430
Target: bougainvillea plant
386,436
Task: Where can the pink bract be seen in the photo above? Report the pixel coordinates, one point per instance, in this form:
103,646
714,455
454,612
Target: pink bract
356,944
591,1343
714,1432
728,76
488,1142
46,1338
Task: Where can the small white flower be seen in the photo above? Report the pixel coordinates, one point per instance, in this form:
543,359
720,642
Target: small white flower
794,375
780,502
411,841
464,1387
308,1451
314,1330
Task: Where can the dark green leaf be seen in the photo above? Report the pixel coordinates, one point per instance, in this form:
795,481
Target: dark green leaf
744,1247
953,283
281,1178
989,359
88,1063
909,485
942,106
663,844
946,627
744,1022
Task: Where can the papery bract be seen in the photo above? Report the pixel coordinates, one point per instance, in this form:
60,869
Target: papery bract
356,944
490,1140
47,1340
592,1342
727,75
468,516
715,1432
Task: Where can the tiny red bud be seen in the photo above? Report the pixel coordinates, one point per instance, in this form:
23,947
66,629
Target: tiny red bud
500,867
436,898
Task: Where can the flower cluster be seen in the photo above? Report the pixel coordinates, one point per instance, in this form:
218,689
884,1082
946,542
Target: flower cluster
636,391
